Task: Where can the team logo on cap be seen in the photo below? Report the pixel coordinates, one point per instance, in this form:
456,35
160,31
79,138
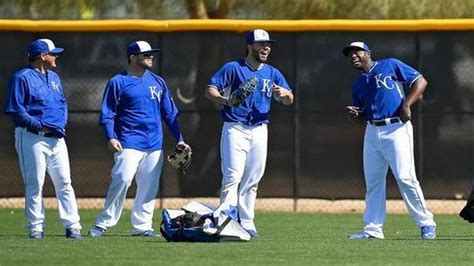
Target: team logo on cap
49,43
143,46
261,35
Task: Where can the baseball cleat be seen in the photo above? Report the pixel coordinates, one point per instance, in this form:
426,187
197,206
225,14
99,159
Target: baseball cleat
252,233
364,235
97,231
147,233
428,232
73,233
36,235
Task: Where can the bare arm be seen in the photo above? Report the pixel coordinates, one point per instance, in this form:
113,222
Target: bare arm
212,93
285,95
416,93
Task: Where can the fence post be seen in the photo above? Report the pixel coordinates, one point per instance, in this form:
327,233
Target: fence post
296,130
419,112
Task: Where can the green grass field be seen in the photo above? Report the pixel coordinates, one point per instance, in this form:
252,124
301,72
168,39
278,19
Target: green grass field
286,238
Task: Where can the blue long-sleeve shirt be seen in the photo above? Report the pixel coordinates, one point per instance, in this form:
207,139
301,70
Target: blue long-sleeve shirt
132,110
36,100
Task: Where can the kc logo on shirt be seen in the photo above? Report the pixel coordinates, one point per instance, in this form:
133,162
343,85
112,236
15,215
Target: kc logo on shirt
155,94
55,85
267,87
388,83
379,81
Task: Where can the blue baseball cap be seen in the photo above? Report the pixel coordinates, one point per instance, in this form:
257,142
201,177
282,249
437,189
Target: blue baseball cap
258,35
355,46
41,46
140,47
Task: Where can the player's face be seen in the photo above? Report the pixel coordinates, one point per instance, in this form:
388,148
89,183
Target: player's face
49,59
144,60
360,59
261,51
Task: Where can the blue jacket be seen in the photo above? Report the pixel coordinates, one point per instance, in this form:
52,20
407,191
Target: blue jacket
132,110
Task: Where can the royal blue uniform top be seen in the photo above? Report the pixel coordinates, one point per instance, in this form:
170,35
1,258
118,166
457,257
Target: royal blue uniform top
36,100
379,92
132,109
255,109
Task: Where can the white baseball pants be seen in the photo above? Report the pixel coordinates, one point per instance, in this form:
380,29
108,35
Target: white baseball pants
243,158
36,155
384,146
146,167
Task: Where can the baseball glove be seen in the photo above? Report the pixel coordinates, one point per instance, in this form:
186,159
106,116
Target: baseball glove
187,220
237,97
180,158
467,213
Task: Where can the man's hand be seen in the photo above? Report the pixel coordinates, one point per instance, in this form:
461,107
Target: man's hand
114,145
282,95
45,129
416,93
183,146
354,114
405,113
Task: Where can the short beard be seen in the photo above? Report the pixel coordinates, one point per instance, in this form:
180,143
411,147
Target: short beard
258,59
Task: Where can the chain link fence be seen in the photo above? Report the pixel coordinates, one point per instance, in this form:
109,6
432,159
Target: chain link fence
313,153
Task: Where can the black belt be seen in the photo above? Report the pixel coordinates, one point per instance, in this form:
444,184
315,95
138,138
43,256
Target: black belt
41,133
385,122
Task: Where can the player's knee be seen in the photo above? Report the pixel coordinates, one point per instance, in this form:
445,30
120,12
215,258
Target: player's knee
230,186
33,191
407,181
230,181
33,184
250,188
64,188
123,178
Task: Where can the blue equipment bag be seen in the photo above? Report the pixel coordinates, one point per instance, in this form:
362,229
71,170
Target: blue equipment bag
197,222
187,227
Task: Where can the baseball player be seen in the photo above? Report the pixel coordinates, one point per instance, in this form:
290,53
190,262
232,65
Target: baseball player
379,103
133,105
467,212
244,133
38,108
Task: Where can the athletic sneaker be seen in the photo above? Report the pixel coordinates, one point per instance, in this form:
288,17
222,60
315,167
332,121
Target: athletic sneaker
97,231
73,233
147,233
428,232
36,235
252,233
364,235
